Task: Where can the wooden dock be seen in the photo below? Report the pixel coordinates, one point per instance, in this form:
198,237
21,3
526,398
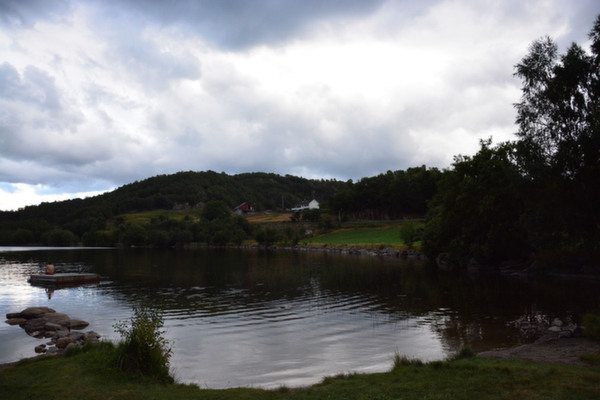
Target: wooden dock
64,279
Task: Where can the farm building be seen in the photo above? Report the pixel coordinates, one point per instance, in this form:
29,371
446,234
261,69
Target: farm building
312,205
244,208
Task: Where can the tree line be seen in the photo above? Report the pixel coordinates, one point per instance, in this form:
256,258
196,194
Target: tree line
536,199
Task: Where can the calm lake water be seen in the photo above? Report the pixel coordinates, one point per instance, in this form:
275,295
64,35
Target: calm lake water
242,318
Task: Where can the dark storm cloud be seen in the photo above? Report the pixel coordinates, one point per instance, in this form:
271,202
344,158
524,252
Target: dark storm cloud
99,93
24,13
238,24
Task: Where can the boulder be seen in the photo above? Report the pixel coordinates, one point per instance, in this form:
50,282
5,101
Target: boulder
557,322
57,318
78,324
16,321
61,333
14,315
35,312
72,345
32,325
51,326
77,335
64,342
554,329
40,349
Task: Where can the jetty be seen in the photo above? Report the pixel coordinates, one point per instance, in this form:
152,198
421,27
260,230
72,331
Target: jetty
63,279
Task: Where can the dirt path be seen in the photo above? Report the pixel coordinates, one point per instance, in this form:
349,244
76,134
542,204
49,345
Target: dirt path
563,350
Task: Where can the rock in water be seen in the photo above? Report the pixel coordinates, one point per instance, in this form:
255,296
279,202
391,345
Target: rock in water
78,324
40,349
35,312
57,318
557,322
16,321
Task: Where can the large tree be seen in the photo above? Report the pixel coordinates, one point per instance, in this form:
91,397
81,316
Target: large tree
559,149
538,197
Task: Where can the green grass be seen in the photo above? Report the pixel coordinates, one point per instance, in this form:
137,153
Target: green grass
89,375
388,235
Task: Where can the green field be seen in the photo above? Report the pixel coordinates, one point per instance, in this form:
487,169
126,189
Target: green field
90,375
388,235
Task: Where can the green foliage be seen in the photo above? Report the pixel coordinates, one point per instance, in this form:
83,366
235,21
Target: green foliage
214,210
158,195
21,236
591,326
476,212
267,236
133,235
465,352
400,361
143,348
391,195
60,237
411,232
536,198
292,235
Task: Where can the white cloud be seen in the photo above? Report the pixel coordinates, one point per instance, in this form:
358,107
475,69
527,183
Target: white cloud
107,101
15,196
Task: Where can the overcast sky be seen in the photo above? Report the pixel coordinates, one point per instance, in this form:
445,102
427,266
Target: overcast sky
96,94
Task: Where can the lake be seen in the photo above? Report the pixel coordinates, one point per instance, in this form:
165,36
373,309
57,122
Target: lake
264,319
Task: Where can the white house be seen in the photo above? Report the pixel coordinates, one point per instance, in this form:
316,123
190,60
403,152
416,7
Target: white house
312,205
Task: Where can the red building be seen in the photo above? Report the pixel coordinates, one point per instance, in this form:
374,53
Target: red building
244,208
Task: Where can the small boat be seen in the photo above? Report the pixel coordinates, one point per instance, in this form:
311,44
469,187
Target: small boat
63,279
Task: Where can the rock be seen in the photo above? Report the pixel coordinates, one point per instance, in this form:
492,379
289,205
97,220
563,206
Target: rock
40,349
93,334
32,325
16,321
14,315
57,318
443,262
35,312
77,335
557,322
51,326
78,324
64,342
565,334
554,328
60,334
72,345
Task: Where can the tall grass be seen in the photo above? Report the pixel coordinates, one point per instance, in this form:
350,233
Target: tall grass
143,348
591,326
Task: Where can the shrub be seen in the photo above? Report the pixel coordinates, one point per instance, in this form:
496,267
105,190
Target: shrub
143,348
402,361
591,326
465,352
60,237
411,232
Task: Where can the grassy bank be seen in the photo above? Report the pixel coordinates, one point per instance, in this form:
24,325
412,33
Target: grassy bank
89,375
384,235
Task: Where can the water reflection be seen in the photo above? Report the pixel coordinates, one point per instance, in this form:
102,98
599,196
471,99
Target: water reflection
266,319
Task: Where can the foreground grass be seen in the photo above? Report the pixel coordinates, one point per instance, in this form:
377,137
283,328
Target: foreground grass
378,235
89,375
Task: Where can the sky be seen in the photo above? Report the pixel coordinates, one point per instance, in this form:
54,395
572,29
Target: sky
96,94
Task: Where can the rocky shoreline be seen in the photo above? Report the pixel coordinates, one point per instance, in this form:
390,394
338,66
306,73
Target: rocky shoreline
558,341
383,252
63,331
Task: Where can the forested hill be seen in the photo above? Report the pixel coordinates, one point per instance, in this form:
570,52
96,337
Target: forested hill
264,190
